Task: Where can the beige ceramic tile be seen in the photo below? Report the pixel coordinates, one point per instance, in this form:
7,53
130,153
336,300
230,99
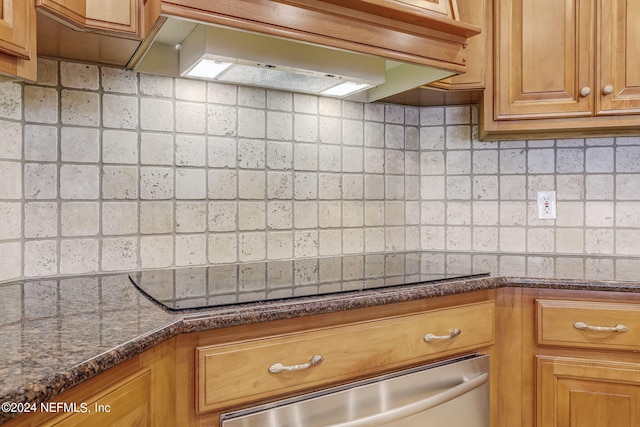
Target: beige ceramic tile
79,219
119,111
40,103
40,219
156,115
79,76
40,142
79,144
119,218
119,81
156,149
11,180
79,108
40,258
222,216
119,254
79,256
156,217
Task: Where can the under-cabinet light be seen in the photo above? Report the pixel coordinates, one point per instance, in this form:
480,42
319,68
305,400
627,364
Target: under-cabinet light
345,88
207,68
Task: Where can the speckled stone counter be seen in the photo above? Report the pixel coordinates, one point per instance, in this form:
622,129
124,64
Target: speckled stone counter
56,333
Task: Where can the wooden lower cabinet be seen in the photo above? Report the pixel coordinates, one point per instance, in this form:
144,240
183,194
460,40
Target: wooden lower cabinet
228,369
126,403
241,372
138,392
573,392
554,372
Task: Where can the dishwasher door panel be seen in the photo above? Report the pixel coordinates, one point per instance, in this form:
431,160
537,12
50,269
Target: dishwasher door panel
452,393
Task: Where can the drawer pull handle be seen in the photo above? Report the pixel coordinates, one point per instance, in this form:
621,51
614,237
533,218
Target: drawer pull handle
431,337
584,327
279,367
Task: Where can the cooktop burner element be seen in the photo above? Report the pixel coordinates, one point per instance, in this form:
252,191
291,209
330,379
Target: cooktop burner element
225,284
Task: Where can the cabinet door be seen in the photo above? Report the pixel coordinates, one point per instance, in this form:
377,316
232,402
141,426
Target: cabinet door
15,25
544,58
586,393
18,40
125,404
619,82
114,15
72,11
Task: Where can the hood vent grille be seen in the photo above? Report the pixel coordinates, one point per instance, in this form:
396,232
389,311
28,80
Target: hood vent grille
274,77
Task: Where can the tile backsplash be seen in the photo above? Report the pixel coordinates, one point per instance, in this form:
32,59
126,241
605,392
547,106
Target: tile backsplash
103,169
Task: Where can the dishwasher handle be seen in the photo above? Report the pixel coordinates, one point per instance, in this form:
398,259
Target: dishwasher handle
419,406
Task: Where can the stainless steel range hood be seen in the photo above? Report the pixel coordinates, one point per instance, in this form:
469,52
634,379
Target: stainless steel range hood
196,50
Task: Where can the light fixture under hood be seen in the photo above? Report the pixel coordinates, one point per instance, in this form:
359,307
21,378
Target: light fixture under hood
244,58
228,55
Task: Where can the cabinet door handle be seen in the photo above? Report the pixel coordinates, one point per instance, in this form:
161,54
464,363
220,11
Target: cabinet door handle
276,368
431,337
607,90
585,91
584,327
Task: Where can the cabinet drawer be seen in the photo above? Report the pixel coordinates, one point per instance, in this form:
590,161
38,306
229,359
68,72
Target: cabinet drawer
236,373
596,325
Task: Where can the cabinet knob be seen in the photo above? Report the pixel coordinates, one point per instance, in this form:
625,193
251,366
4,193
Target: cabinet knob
585,91
607,90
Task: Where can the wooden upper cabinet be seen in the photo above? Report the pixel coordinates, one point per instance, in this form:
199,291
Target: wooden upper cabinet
18,39
14,28
563,68
103,32
69,10
467,87
619,57
544,58
115,16
118,15
474,12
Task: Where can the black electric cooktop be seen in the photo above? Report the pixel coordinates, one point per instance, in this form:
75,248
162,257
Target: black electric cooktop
225,284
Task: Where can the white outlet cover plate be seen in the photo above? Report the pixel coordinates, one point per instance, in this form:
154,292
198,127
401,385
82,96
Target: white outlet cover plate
546,205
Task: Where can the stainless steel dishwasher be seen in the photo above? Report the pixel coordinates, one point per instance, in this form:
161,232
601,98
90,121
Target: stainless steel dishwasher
454,393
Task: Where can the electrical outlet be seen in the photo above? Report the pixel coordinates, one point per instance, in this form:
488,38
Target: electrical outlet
546,205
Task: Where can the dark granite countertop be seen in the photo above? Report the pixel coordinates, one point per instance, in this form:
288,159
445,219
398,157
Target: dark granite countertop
56,333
